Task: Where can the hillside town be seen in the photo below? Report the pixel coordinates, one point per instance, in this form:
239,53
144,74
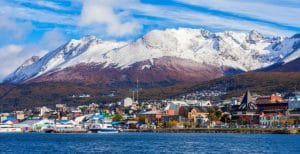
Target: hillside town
248,111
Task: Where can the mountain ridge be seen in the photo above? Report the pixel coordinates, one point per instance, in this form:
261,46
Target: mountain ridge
237,51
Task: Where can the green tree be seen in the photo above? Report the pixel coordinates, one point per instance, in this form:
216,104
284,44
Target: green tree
218,115
117,117
172,123
142,119
211,115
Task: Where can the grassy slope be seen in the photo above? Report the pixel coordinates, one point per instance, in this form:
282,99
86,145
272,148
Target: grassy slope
32,95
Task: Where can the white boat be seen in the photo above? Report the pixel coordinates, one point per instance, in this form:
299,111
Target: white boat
103,126
7,128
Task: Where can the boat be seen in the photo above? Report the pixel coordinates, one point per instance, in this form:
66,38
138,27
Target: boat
103,126
7,128
48,129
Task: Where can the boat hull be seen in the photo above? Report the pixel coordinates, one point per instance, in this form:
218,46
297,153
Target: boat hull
104,131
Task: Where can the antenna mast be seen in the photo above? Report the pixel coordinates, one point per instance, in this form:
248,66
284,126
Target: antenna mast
137,90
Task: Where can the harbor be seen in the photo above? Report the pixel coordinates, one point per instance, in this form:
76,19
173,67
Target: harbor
251,113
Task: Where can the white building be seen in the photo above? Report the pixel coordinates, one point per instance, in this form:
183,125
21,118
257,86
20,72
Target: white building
271,119
44,110
127,102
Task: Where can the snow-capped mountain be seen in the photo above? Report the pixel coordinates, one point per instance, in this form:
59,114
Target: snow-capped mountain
172,54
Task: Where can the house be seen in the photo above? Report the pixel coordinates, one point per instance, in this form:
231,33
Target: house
152,116
171,109
20,115
193,113
198,113
93,108
272,119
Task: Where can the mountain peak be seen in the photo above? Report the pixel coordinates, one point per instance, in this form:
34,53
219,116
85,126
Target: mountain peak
229,49
89,37
255,36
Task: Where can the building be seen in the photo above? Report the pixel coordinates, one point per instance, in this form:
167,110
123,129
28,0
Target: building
275,98
127,102
246,113
294,101
20,115
198,114
3,117
273,107
44,110
272,119
193,113
152,116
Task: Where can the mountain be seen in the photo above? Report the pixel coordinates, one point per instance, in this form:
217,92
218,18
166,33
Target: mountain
159,57
291,62
19,96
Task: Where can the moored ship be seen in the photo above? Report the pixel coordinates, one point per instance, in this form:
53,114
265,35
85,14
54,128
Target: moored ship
102,126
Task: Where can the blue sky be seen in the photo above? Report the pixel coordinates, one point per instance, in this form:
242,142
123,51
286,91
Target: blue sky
34,27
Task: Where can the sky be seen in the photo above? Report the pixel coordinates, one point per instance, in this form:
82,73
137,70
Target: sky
35,27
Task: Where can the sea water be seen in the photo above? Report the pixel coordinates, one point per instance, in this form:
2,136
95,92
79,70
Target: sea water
149,143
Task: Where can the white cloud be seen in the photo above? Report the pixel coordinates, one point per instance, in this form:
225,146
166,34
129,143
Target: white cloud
39,15
43,3
274,11
12,30
185,16
102,12
12,55
10,59
215,22
52,39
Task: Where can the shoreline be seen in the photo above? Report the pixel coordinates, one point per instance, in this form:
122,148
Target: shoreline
190,130
221,130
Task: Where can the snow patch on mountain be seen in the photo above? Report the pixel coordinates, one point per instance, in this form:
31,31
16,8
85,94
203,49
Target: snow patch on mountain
237,50
84,50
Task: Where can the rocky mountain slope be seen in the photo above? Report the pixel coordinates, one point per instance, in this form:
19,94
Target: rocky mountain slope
171,55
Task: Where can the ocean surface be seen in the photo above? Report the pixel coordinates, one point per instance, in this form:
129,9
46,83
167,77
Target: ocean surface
149,143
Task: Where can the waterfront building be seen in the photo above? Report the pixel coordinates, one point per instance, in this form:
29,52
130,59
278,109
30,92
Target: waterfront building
272,119
247,111
152,116
20,115
27,125
193,113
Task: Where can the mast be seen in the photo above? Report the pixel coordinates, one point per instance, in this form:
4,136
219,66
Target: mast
137,90
133,95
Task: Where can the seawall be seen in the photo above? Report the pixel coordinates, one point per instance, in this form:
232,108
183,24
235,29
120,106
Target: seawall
221,130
